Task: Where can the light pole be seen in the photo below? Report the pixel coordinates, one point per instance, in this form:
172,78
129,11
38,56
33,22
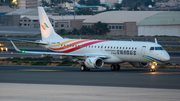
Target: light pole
74,10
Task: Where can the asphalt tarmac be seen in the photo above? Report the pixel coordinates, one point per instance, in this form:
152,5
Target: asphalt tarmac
141,78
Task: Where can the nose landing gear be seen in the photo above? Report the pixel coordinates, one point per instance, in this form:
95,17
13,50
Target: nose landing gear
153,67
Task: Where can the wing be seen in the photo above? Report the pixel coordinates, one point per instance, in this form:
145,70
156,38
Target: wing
60,54
35,42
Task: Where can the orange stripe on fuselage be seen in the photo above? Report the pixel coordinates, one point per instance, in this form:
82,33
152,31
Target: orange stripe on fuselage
64,47
63,43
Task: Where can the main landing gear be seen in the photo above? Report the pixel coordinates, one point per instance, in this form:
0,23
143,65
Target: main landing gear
84,68
153,67
115,67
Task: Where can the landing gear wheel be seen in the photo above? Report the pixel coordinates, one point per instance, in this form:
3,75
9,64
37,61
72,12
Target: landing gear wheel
113,67
83,68
117,67
153,70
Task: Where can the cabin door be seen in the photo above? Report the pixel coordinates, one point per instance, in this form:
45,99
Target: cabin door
143,50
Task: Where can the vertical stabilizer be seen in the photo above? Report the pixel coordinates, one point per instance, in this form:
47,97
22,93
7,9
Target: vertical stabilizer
47,31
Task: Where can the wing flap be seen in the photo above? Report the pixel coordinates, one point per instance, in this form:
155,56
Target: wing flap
35,42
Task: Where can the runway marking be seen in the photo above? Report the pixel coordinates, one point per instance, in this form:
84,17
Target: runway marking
162,73
39,70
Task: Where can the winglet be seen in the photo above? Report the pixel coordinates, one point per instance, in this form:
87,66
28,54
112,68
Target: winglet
155,40
15,47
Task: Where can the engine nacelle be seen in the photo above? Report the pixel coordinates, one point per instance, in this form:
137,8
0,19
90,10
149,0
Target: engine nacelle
139,64
94,62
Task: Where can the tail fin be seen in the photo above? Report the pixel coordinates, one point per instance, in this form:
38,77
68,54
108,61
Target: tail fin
47,31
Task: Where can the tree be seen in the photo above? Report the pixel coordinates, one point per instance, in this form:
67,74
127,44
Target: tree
82,2
92,2
85,30
44,3
85,11
61,32
100,28
60,1
149,2
75,32
107,8
118,6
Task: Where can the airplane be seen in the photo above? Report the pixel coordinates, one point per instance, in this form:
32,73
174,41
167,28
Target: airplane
93,54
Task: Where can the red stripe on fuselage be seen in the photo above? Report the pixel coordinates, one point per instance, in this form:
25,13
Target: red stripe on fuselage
77,48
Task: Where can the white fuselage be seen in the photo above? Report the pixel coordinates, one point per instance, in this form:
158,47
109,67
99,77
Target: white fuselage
116,51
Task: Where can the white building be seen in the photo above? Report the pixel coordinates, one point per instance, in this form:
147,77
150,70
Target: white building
166,23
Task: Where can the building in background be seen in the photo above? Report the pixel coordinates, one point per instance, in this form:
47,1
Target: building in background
13,18
69,6
58,22
4,10
126,23
121,22
166,23
27,4
109,1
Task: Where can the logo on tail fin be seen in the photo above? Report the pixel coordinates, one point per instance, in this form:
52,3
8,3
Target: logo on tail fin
44,26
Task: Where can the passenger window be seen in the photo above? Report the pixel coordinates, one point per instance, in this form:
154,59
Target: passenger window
152,48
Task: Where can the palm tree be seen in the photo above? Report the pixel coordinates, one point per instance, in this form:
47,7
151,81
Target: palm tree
100,28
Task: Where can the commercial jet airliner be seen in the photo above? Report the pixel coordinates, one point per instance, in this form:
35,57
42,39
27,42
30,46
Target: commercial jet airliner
95,53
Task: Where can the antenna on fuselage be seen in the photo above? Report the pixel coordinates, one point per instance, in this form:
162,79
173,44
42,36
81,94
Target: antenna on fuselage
155,40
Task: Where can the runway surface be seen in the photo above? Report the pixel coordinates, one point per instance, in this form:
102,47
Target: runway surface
143,78
45,83
44,92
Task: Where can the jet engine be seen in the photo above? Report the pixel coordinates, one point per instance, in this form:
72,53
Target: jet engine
139,64
94,62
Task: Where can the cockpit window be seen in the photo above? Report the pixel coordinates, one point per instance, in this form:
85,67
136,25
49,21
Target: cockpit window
156,48
159,48
152,48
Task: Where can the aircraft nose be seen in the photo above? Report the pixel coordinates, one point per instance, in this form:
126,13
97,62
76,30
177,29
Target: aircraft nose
166,57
